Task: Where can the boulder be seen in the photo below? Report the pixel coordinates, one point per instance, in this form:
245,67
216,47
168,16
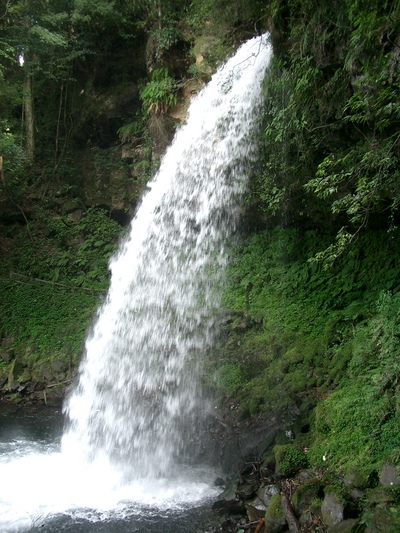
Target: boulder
228,503
384,520
304,496
229,507
275,521
355,478
255,513
332,509
244,491
388,475
266,493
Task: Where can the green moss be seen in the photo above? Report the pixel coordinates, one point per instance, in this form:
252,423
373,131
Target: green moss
275,510
324,343
355,427
289,459
307,495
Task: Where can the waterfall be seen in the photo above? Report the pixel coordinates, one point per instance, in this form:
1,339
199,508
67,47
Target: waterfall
138,403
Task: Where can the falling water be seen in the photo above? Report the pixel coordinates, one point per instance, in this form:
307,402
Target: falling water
138,397
137,408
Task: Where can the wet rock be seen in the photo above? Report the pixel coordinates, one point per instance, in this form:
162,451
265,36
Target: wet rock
245,491
229,493
14,386
268,465
275,521
228,502
54,396
266,493
332,509
229,507
255,513
388,475
16,397
256,504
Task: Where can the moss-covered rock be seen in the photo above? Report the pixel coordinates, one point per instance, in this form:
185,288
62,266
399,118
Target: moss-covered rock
383,519
289,459
355,478
332,509
305,495
274,517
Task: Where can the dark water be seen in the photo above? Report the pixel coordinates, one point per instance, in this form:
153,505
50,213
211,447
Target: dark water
32,492
37,423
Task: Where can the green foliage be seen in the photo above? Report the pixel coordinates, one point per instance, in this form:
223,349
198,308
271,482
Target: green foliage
230,377
214,26
302,329
130,131
165,36
289,458
63,250
356,426
332,117
219,16
52,326
50,285
160,92
316,337
14,161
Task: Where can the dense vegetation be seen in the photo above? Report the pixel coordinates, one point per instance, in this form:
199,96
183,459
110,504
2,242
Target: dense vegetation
317,280
313,289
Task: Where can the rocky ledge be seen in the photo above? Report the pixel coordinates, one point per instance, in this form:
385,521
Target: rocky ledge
265,500
46,383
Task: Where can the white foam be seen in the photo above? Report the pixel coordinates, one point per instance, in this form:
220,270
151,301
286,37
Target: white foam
38,482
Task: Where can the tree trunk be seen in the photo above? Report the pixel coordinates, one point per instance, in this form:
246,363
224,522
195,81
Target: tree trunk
29,116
